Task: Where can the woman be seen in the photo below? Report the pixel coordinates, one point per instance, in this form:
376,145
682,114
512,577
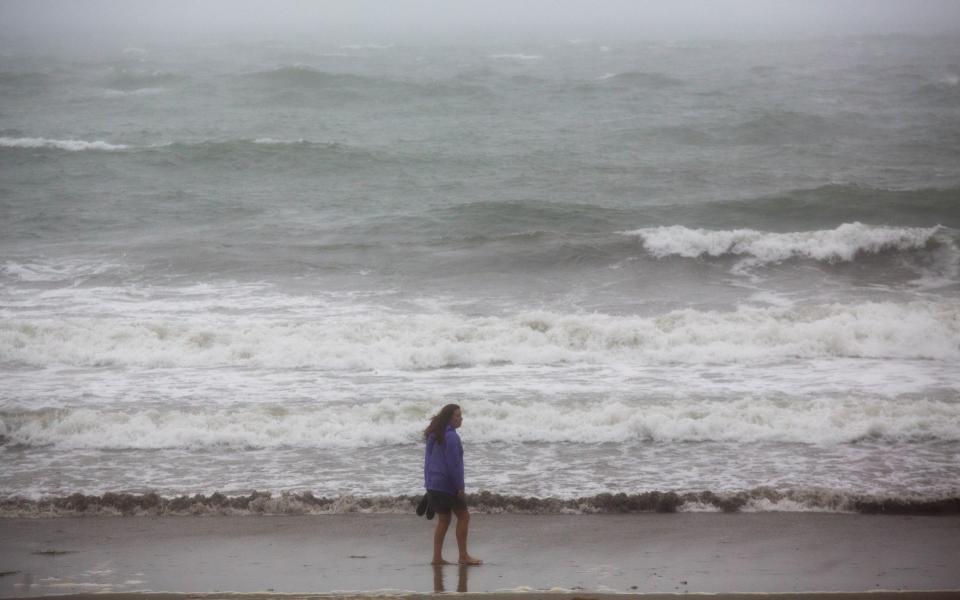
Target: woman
443,478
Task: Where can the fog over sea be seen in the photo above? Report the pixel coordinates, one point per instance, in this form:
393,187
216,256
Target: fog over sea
729,270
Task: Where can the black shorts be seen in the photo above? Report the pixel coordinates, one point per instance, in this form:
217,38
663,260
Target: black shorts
443,503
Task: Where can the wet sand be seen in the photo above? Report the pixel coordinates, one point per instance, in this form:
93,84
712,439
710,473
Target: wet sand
572,555
556,595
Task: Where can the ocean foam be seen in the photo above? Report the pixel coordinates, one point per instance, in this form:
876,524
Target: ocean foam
58,270
381,339
272,141
80,145
524,57
827,421
842,244
146,91
366,46
70,145
300,503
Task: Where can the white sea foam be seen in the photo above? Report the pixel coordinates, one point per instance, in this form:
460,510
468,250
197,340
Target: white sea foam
70,145
80,145
381,339
366,47
147,91
392,423
756,505
515,56
747,420
57,270
273,141
833,245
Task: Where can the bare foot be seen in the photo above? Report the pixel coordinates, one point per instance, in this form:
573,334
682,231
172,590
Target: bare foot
469,560
439,562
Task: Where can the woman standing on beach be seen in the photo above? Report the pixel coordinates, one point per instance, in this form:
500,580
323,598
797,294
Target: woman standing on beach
443,478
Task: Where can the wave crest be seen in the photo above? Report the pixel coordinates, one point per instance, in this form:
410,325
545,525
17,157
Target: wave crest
827,421
842,244
384,340
69,145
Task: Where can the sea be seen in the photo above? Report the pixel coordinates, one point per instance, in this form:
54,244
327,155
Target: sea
239,275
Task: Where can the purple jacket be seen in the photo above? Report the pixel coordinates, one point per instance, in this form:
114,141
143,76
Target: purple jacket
443,464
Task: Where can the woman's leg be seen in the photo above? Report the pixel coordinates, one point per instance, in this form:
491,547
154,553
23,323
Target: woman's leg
463,527
443,522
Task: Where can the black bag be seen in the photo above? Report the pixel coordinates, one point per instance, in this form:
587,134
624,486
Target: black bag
424,507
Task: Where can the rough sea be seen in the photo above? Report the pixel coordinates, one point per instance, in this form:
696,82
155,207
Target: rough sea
710,275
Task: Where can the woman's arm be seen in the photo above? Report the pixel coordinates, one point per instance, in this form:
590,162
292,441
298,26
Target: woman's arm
454,459
426,463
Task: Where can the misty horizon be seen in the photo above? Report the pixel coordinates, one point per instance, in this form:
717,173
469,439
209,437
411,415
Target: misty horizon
57,22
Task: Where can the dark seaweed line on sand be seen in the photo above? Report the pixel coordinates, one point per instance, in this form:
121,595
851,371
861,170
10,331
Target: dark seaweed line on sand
265,503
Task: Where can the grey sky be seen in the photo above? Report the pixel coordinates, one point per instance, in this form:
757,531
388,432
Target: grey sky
405,19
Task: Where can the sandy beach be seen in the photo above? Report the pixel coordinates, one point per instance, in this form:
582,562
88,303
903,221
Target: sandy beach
552,595
574,554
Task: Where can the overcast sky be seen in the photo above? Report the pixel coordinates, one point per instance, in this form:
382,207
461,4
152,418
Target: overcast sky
401,20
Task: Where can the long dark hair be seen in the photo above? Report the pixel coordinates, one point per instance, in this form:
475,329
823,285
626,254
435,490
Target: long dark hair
438,423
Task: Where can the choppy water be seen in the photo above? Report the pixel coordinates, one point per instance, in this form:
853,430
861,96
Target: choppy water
727,267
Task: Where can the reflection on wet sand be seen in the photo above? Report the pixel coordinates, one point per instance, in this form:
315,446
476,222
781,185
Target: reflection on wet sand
438,583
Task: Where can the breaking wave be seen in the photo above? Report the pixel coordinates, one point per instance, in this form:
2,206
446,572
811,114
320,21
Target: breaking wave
213,148
69,145
306,503
842,244
385,340
826,421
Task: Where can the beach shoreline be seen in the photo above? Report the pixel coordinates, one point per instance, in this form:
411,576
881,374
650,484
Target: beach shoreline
557,595
565,555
